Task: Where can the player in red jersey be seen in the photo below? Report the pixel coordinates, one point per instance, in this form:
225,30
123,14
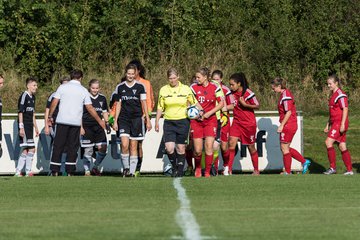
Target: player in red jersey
243,126
207,94
288,125
222,138
337,126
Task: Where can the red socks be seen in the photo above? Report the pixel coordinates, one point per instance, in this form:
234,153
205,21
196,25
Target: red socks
231,159
225,157
347,160
208,162
287,162
255,160
332,157
198,161
295,154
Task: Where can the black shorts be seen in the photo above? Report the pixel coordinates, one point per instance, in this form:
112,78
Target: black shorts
176,131
28,139
132,128
94,135
218,132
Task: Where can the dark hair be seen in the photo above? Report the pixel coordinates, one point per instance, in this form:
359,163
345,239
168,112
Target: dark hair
130,66
93,81
64,79
76,74
278,81
139,67
240,78
217,72
335,78
30,80
204,71
1,75
172,71
193,79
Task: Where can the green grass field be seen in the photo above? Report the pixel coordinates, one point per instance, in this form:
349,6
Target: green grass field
314,143
234,207
312,206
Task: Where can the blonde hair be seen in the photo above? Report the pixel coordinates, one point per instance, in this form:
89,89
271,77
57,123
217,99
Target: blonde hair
172,71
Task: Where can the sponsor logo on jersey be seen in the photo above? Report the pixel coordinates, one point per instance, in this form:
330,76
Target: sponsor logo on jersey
333,132
124,98
201,99
282,136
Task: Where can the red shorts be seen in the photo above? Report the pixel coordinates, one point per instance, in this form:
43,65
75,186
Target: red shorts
334,133
246,134
225,130
203,129
287,134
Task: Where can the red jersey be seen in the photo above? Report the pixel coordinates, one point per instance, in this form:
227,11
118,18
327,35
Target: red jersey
229,97
338,101
245,116
207,96
287,103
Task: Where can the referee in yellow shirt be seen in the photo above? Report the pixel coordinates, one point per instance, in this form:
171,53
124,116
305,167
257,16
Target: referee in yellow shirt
174,99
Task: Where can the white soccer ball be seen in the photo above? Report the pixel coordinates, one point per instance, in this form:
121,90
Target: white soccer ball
193,112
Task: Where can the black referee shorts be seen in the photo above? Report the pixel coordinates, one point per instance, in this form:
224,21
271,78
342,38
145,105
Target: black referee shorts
176,130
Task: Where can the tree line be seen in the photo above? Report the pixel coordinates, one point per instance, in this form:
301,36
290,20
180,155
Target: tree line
303,41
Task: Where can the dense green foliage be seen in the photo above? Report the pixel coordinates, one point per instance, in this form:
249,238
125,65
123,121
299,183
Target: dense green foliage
297,39
302,41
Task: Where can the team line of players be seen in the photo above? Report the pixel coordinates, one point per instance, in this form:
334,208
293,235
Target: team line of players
199,139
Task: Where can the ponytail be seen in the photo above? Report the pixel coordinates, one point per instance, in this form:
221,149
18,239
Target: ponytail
241,78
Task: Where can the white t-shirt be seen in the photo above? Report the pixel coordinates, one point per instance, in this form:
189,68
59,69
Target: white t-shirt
73,96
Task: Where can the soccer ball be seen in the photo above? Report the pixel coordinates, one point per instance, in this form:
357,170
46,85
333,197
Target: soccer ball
192,112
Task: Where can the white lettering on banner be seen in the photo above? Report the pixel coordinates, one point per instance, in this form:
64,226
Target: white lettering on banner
267,145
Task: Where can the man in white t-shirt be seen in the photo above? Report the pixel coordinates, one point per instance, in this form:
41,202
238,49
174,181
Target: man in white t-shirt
71,98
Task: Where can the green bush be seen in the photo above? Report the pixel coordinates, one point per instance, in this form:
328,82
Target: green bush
303,41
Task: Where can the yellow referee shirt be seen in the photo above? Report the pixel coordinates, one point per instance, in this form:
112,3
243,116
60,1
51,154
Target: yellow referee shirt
173,101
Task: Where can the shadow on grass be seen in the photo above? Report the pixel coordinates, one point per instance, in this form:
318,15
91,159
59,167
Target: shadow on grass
315,168
357,167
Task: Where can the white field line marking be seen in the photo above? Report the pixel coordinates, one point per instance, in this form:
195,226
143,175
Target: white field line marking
184,217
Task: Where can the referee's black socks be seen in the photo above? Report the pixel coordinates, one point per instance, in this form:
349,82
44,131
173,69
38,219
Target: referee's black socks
172,159
181,164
